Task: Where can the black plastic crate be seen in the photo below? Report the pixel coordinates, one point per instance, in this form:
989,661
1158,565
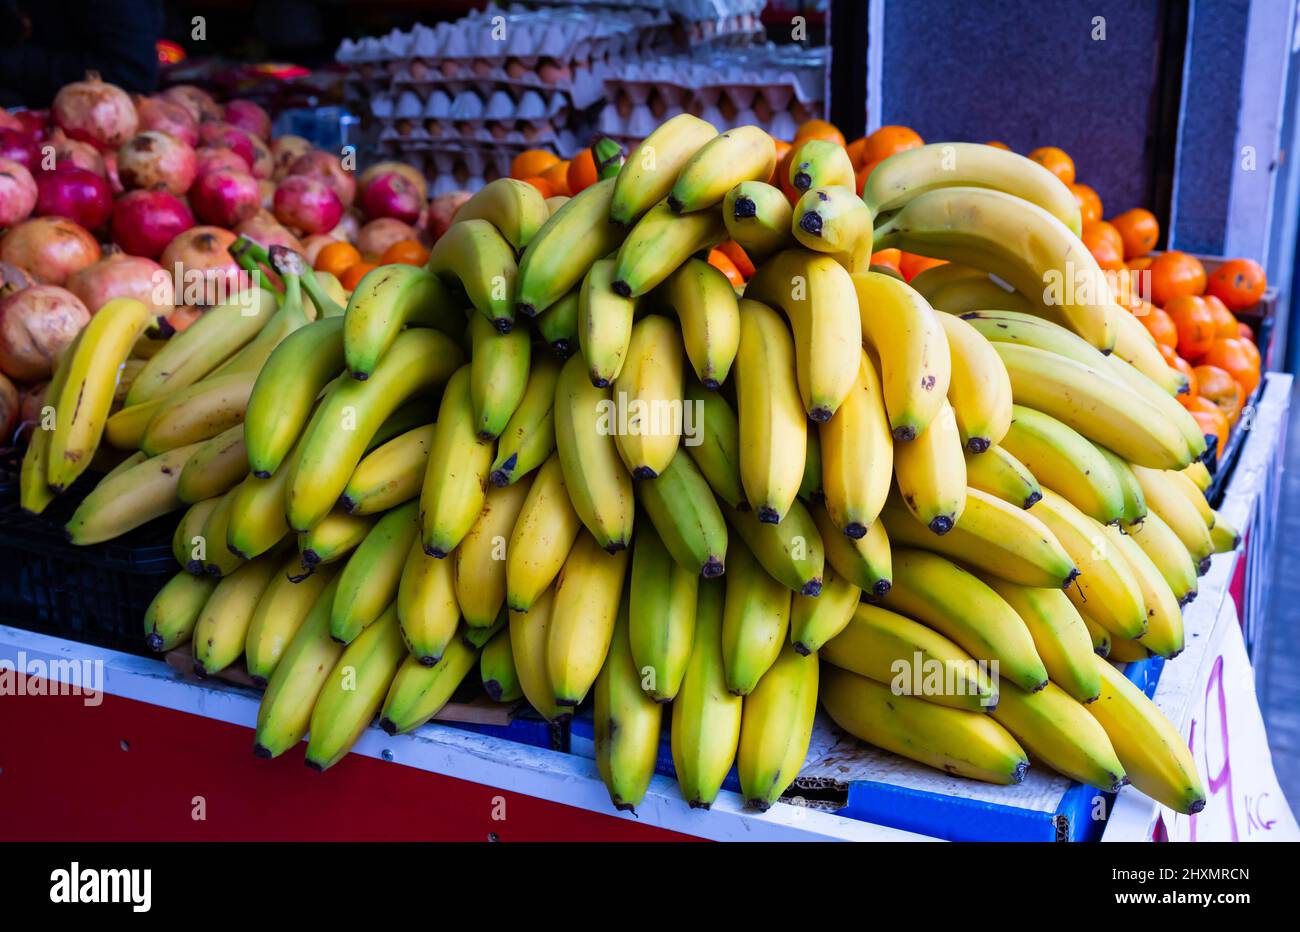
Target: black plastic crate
96,594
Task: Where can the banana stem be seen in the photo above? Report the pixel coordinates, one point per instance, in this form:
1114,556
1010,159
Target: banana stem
289,265
250,257
326,305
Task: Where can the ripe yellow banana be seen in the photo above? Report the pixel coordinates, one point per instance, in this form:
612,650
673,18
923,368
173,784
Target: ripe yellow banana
426,605
1199,473
714,443
34,492
217,466
625,723
1195,497
659,243
1066,462
528,645
1159,542
651,168
1058,731
125,427
215,558
129,499
1135,503
759,218
648,395
776,727
188,533
498,375
865,561
1101,639
662,598
931,473
455,479
529,436
980,389
541,538
755,621
1135,345
746,153
514,207
558,325
280,612
814,620
681,506
475,255
387,300
497,669
368,583
587,595
1176,510
1164,633
200,412
390,474
1060,635
334,537
707,309
604,323
482,557
419,692
1226,538
818,163
223,624
564,248
170,618
959,289
1003,476
791,552
834,220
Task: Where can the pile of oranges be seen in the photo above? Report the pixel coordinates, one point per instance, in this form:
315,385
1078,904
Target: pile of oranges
348,265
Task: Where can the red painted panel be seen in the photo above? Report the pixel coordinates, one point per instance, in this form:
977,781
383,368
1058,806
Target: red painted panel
1237,585
128,770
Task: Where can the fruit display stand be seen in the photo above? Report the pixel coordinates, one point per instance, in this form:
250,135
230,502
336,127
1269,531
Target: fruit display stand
504,778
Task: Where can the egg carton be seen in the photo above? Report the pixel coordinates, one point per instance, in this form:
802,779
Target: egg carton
688,10
640,121
471,105
584,83
780,74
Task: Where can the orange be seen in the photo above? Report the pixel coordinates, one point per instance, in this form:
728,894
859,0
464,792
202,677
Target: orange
557,176
354,273
1089,202
1225,325
998,145
1210,419
782,180
1235,357
1185,367
782,149
860,177
1191,315
719,260
855,150
1104,243
911,265
1220,387
1250,349
1057,161
405,252
888,258
1239,283
1138,229
532,162
818,129
887,140
337,258
738,256
182,316
582,172
1161,326
541,184
1176,273
1140,264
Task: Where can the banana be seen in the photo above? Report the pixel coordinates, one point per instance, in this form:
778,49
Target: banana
968,295
558,325
1135,503
1059,634
390,474
648,395
455,479
915,364
529,436
336,439
285,392
125,427
334,537
1135,345
681,506
185,537
124,463
515,208
564,248
773,435
979,389
1067,463
960,606
820,164
426,605
280,612
1195,497
651,168
369,581
1101,639
759,218
497,669
528,645
955,741
817,297
755,621
776,728
541,538
1128,652
1164,633
217,466
129,499
1102,409
1199,473
625,722
834,220
604,323
498,375
555,203
482,557
811,488
662,595
170,618
815,620
905,175
419,692
1105,590
792,551
1175,510
995,537
354,691
660,242
1003,476
82,405
1159,542
387,300
587,595
219,560
34,492
222,626
746,153
706,717
595,479
291,316
709,313
1018,241
714,442
298,679
200,412
930,472
864,562
257,519
187,357
1225,537
1057,730
1155,756
324,292
478,258
907,656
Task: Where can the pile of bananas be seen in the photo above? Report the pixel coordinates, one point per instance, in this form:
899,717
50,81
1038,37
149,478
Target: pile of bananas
567,454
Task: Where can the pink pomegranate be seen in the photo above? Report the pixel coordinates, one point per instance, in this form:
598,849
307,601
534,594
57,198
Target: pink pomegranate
249,117
119,275
377,235
329,168
225,198
392,195
35,123
263,161
219,135
154,161
409,172
17,146
308,204
74,193
50,248
197,101
60,150
349,226
265,230
167,116
286,150
111,175
95,111
215,160
201,261
35,325
17,193
145,222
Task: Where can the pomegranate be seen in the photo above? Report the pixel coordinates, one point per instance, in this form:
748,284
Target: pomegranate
249,117
167,116
74,193
285,150
442,212
119,275
202,264
155,161
308,204
17,193
49,248
392,195
265,230
197,101
17,146
349,226
9,121
219,135
377,235
329,168
10,406
225,198
13,278
214,160
60,150
409,172
35,325
144,222
263,162
266,191
110,173
35,123
95,111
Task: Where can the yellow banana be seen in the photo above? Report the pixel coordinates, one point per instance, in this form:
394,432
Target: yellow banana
660,242
528,645
1003,476
216,467
482,557
280,612
218,559
1101,639
125,427
368,583
746,153
1067,463
818,163
34,492
497,669
187,534
1135,503
541,538
334,537
759,218
1057,730
604,323
707,309
390,474
1164,633
455,479
864,561
385,301
475,255
814,620
648,395
625,723
558,325
959,289
222,626
200,412
1059,633
170,618
587,595
129,499
980,389
776,728
514,207
1135,345
651,168
791,552
1159,542
755,621
1175,510
498,375
713,442
557,258
930,472
1225,537
529,435
662,596
426,605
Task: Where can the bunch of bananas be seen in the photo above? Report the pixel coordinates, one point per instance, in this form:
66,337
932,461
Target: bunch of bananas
568,453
